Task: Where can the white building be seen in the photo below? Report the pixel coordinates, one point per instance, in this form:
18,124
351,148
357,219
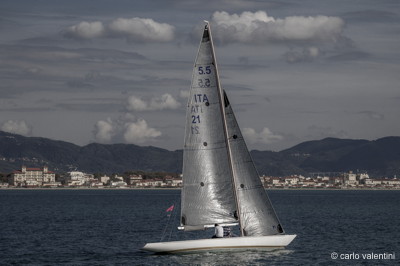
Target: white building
118,184
173,182
292,180
32,177
104,179
120,178
364,176
76,178
135,179
351,179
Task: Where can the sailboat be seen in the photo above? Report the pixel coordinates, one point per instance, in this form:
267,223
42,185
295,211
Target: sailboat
220,182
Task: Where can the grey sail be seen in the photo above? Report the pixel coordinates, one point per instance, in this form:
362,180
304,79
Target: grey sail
257,216
207,194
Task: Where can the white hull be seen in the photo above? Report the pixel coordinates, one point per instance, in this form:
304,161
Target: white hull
231,243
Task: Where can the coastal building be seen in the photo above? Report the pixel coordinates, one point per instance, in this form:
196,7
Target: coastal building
104,179
308,182
119,178
32,177
135,179
351,179
291,180
77,178
363,176
382,182
170,181
118,183
96,183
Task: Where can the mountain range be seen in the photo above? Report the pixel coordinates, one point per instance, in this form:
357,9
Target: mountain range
379,157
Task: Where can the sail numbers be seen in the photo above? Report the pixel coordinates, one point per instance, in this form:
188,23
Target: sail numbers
199,99
195,119
204,83
204,70
196,109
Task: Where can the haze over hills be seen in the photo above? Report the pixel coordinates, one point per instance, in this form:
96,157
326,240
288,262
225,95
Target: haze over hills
379,157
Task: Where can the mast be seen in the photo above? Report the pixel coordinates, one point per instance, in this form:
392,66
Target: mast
222,103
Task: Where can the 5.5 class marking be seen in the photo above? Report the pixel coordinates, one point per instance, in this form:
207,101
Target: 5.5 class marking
204,70
204,83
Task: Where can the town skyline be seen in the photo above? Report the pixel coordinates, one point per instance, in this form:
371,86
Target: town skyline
44,178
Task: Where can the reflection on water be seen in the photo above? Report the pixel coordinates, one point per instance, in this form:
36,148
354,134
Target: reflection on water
244,257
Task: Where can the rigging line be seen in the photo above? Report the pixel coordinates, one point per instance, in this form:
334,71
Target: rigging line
166,226
175,213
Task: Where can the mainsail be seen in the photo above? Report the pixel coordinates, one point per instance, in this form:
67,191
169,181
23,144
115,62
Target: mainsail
207,194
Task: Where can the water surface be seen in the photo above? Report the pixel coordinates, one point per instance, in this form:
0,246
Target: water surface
108,227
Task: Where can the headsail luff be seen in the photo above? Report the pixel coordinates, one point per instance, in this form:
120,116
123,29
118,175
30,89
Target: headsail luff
207,194
257,216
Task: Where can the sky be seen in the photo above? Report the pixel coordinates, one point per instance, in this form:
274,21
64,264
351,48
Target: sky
119,71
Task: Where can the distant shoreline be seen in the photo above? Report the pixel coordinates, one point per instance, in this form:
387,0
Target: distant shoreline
170,188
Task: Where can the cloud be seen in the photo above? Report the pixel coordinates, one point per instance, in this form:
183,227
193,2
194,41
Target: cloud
127,128
264,137
139,132
133,29
166,101
104,131
258,27
17,127
86,30
142,29
184,94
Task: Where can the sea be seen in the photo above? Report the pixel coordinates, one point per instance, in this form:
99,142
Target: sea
109,226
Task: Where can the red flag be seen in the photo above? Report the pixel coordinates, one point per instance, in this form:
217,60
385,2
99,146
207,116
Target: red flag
170,209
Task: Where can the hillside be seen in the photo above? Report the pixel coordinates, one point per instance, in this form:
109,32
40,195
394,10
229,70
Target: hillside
380,157
60,156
